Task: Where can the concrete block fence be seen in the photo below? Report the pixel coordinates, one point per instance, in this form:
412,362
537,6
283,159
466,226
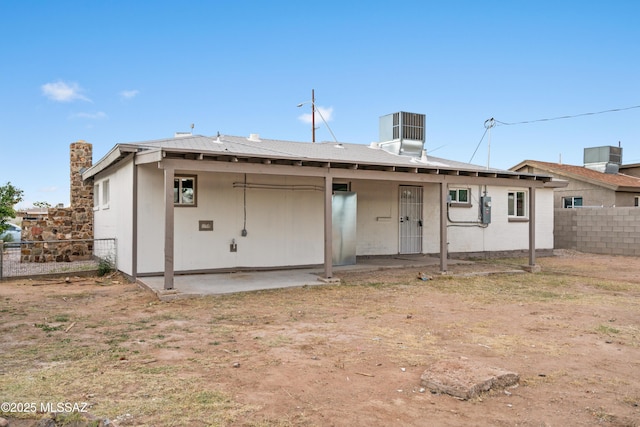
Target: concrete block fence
610,231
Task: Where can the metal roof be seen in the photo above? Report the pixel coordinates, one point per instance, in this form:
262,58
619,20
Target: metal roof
224,146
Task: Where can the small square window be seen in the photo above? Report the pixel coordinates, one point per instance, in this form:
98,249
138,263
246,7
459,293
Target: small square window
341,186
460,196
517,204
184,190
571,202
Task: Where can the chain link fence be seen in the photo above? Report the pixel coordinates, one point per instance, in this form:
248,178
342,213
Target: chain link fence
26,259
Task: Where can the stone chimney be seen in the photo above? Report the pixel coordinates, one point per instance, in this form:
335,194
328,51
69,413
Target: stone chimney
81,158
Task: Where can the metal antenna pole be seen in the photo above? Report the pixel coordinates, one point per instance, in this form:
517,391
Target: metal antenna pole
488,124
313,116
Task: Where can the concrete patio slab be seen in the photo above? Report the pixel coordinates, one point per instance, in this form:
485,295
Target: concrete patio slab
197,285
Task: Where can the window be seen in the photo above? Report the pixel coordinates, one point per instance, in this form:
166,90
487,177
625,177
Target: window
96,197
341,186
571,202
460,196
184,191
105,194
517,204
636,201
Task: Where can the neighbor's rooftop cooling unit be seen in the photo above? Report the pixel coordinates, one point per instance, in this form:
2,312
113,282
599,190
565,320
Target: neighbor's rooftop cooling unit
403,133
605,159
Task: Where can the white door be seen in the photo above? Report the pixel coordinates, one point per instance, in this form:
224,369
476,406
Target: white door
410,219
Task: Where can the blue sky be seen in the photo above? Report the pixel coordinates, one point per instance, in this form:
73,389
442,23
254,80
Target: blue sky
110,72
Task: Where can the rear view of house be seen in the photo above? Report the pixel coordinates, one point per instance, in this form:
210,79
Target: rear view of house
199,204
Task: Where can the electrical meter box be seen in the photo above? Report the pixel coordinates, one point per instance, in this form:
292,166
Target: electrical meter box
485,209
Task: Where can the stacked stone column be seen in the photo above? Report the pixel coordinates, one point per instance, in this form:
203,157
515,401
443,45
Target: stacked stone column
65,224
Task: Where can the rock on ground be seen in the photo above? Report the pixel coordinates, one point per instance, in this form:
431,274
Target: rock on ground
465,379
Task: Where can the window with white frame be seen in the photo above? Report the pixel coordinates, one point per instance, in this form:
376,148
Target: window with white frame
184,190
517,204
105,194
96,197
460,196
571,202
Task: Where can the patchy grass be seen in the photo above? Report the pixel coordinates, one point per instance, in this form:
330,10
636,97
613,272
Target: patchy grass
141,362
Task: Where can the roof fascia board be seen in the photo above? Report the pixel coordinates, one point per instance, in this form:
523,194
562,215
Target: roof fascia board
626,189
149,156
115,166
292,170
556,183
113,156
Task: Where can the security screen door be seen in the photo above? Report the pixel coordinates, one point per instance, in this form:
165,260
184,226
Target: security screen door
410,219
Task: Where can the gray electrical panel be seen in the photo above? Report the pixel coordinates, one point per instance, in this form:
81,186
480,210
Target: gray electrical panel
485,209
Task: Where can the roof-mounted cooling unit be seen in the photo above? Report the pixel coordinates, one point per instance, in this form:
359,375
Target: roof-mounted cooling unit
403,133
605,159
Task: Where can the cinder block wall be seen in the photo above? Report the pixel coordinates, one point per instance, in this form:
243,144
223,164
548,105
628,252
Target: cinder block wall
612,231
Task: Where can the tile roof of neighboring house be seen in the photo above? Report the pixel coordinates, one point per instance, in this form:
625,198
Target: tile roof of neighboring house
618,181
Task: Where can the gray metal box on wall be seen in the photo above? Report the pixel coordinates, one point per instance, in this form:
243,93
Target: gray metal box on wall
344,219
485,209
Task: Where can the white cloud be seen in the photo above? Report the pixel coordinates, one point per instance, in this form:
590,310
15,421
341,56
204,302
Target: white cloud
51,189
63,92
321,112
129,94
91,116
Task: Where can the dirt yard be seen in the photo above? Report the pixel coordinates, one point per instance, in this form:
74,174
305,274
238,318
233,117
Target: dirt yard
335,355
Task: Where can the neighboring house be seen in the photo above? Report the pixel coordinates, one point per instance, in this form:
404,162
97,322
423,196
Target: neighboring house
596,184
194,204
632,169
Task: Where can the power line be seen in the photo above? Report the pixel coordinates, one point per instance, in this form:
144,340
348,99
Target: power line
479,142
614,110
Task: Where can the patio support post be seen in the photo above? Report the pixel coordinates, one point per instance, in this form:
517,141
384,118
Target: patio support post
169,174
532,226
134,223
328,226
444,246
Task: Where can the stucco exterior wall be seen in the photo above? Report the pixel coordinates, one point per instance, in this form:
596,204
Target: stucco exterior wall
115,217
377,225
502,234
284,226
285,221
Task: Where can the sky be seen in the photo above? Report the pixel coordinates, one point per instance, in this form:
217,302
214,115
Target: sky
110,72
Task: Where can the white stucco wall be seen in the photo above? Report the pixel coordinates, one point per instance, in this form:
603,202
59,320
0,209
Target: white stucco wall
284,226
501,234
377,225
115,219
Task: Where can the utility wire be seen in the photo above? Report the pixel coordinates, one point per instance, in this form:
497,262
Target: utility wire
614,110
479,142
